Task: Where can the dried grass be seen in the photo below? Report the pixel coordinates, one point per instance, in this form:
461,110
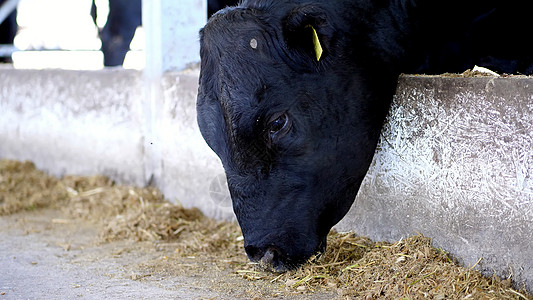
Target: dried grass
353,266
411,268
142,214
22,187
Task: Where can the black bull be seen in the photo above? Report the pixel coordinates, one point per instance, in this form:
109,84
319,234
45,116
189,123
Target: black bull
296,129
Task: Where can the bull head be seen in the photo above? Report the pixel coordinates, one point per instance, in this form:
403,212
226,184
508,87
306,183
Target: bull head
295,130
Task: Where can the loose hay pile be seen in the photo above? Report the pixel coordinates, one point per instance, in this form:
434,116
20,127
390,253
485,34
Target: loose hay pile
353,266
409,268
22,187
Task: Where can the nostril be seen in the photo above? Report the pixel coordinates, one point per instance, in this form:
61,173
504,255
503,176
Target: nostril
270,257
273,260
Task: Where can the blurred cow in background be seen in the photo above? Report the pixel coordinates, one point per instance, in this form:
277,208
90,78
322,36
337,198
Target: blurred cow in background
8,30
123,19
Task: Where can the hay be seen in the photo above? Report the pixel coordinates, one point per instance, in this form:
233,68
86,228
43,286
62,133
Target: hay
142,214
411,268
353,266
22,187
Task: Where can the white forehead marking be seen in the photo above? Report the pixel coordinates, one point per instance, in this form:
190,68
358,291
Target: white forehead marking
253,43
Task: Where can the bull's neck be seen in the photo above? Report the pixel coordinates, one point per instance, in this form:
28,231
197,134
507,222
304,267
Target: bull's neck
404,49
401,29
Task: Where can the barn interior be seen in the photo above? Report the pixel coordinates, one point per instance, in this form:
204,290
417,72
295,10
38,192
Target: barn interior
454,164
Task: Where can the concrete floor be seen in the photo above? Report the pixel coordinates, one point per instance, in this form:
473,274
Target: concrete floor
46,255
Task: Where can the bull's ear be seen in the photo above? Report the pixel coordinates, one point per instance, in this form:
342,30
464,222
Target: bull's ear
306,31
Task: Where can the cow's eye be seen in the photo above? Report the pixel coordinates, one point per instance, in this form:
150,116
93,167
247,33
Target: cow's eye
279,124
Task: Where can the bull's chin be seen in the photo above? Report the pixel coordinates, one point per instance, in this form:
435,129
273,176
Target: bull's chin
275,268
273,262
278,267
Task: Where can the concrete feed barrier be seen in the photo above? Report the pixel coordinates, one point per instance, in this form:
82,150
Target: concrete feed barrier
113,122
455,161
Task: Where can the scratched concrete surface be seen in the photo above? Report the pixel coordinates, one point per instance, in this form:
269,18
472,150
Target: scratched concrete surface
455,163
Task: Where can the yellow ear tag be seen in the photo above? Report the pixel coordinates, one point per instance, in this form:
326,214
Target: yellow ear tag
316,43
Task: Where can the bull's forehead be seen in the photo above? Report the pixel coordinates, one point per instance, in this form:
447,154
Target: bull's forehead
243,41
245,53
240,30
247,78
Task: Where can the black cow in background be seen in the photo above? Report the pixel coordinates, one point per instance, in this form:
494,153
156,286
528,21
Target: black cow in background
123,19
8,30
293,95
